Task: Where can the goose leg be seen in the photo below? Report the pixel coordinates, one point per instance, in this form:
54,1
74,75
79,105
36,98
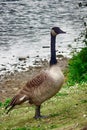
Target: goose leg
37,113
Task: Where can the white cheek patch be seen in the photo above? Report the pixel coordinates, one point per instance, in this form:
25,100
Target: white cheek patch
53,32
22,98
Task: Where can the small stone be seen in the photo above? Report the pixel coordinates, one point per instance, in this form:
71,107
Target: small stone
46,47
37,56
60,56
28,57
15,89
22,58
2,69
80,4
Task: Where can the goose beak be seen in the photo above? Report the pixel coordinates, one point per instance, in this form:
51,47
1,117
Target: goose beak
61,31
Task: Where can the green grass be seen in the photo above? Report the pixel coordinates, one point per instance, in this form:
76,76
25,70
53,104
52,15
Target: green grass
66,111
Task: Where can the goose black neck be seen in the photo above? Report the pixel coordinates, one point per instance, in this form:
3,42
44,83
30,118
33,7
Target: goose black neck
53,60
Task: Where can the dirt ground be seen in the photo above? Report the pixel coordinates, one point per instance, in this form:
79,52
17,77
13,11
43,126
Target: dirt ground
11,83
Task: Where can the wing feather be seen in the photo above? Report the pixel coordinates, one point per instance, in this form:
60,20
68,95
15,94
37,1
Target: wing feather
37,80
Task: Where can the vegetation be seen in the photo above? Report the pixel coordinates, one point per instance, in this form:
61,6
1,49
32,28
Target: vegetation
78,65
5,103
67,110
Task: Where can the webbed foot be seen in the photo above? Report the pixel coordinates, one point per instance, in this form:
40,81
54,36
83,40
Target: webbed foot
38,114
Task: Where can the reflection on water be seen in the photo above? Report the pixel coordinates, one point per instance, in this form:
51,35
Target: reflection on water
25,28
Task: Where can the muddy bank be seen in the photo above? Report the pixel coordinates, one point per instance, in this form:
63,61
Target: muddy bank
12,82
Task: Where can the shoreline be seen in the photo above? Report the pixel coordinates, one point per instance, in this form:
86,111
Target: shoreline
12,82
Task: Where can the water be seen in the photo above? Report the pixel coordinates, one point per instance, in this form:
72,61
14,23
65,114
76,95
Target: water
25,28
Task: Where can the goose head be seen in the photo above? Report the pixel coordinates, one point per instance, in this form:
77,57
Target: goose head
56,30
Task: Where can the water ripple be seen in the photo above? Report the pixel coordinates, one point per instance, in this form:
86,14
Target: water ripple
25,27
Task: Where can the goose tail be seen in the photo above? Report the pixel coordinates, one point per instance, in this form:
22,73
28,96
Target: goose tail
16,100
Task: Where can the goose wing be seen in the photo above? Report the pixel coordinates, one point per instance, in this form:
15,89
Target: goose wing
37,80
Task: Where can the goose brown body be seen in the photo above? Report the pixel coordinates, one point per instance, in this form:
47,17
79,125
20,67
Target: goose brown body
44,85
41,87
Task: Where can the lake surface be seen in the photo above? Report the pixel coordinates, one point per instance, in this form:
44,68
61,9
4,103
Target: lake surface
25,29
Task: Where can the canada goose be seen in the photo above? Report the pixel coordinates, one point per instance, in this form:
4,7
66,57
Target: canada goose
44,85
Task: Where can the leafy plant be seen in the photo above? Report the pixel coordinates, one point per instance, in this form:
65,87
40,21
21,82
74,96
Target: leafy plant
7,102
78,64
78,67
0,104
